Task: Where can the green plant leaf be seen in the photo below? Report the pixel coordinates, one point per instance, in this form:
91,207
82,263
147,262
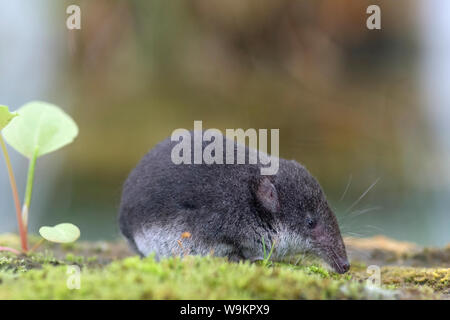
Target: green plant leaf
41,127
61,233
5,116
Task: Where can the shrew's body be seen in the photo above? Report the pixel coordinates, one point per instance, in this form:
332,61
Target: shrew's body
228,209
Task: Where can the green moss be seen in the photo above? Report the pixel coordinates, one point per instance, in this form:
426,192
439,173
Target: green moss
107,273
13,263
437,279
74,259
320,271
187,278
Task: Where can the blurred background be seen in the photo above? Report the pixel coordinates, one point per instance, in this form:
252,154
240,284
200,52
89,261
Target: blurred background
366,111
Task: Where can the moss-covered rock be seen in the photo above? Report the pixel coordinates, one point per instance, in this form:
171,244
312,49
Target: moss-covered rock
182,278
109,271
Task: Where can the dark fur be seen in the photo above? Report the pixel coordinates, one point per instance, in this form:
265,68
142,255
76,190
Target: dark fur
228,210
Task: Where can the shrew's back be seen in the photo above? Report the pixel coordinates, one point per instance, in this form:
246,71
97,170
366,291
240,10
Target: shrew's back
173,198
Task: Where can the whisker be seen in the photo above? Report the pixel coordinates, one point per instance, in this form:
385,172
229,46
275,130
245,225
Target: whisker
363,195
375,228
357,213
334,256
354,234
346,188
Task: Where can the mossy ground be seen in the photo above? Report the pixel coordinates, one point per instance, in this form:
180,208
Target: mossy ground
107,271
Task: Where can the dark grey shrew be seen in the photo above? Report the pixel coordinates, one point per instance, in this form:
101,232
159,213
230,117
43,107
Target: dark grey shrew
228,209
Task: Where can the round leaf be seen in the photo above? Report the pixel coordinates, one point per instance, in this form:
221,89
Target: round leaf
5,116
41,126
61,233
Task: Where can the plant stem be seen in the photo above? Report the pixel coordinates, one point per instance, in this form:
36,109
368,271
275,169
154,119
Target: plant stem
12,180
9,250
29,188
264,248
37,245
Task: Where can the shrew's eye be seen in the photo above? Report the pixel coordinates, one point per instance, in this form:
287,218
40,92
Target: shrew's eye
311,223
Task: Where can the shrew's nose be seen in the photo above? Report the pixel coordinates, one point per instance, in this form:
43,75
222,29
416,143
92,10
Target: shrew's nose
345,266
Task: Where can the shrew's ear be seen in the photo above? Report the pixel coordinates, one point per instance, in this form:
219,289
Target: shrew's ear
267,195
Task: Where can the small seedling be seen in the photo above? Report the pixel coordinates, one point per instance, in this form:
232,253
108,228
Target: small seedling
267,256
61,233
5,119
38,128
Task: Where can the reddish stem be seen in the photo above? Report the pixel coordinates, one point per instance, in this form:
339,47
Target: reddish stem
9,250
12,180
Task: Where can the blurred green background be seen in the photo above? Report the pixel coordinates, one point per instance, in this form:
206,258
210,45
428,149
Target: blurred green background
355,106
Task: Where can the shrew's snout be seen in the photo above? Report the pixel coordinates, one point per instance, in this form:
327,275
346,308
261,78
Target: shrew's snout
330,247
342,266
335,256
339,262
